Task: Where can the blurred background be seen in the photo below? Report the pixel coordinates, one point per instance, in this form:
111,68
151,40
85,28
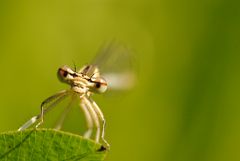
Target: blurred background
185,104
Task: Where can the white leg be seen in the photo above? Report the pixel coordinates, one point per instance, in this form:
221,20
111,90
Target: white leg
100,114
94,117
29,123
89,120
47,105
101,117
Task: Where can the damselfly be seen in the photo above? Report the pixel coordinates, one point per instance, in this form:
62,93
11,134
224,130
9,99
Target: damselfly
85,82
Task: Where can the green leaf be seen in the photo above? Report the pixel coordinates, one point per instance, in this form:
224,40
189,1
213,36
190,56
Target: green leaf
48,144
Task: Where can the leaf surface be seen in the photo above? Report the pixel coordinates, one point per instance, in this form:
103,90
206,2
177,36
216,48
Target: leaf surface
48,144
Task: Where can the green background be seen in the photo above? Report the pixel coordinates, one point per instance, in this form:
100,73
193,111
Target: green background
185,104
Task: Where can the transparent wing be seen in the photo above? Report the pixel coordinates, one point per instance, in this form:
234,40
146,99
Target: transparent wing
116,65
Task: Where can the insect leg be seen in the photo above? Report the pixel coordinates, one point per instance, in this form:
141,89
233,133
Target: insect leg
29,122
47,105
89,119
94,117
101,117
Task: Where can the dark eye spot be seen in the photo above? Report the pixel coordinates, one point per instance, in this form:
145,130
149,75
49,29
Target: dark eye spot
63,73
98,84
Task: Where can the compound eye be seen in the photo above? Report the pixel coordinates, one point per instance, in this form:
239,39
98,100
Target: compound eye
100,85
62,72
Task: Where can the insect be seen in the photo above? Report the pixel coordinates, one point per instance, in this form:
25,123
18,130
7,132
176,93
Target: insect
83,83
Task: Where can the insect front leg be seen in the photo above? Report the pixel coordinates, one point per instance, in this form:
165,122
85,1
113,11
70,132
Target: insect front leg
29,123
47,105
40,116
